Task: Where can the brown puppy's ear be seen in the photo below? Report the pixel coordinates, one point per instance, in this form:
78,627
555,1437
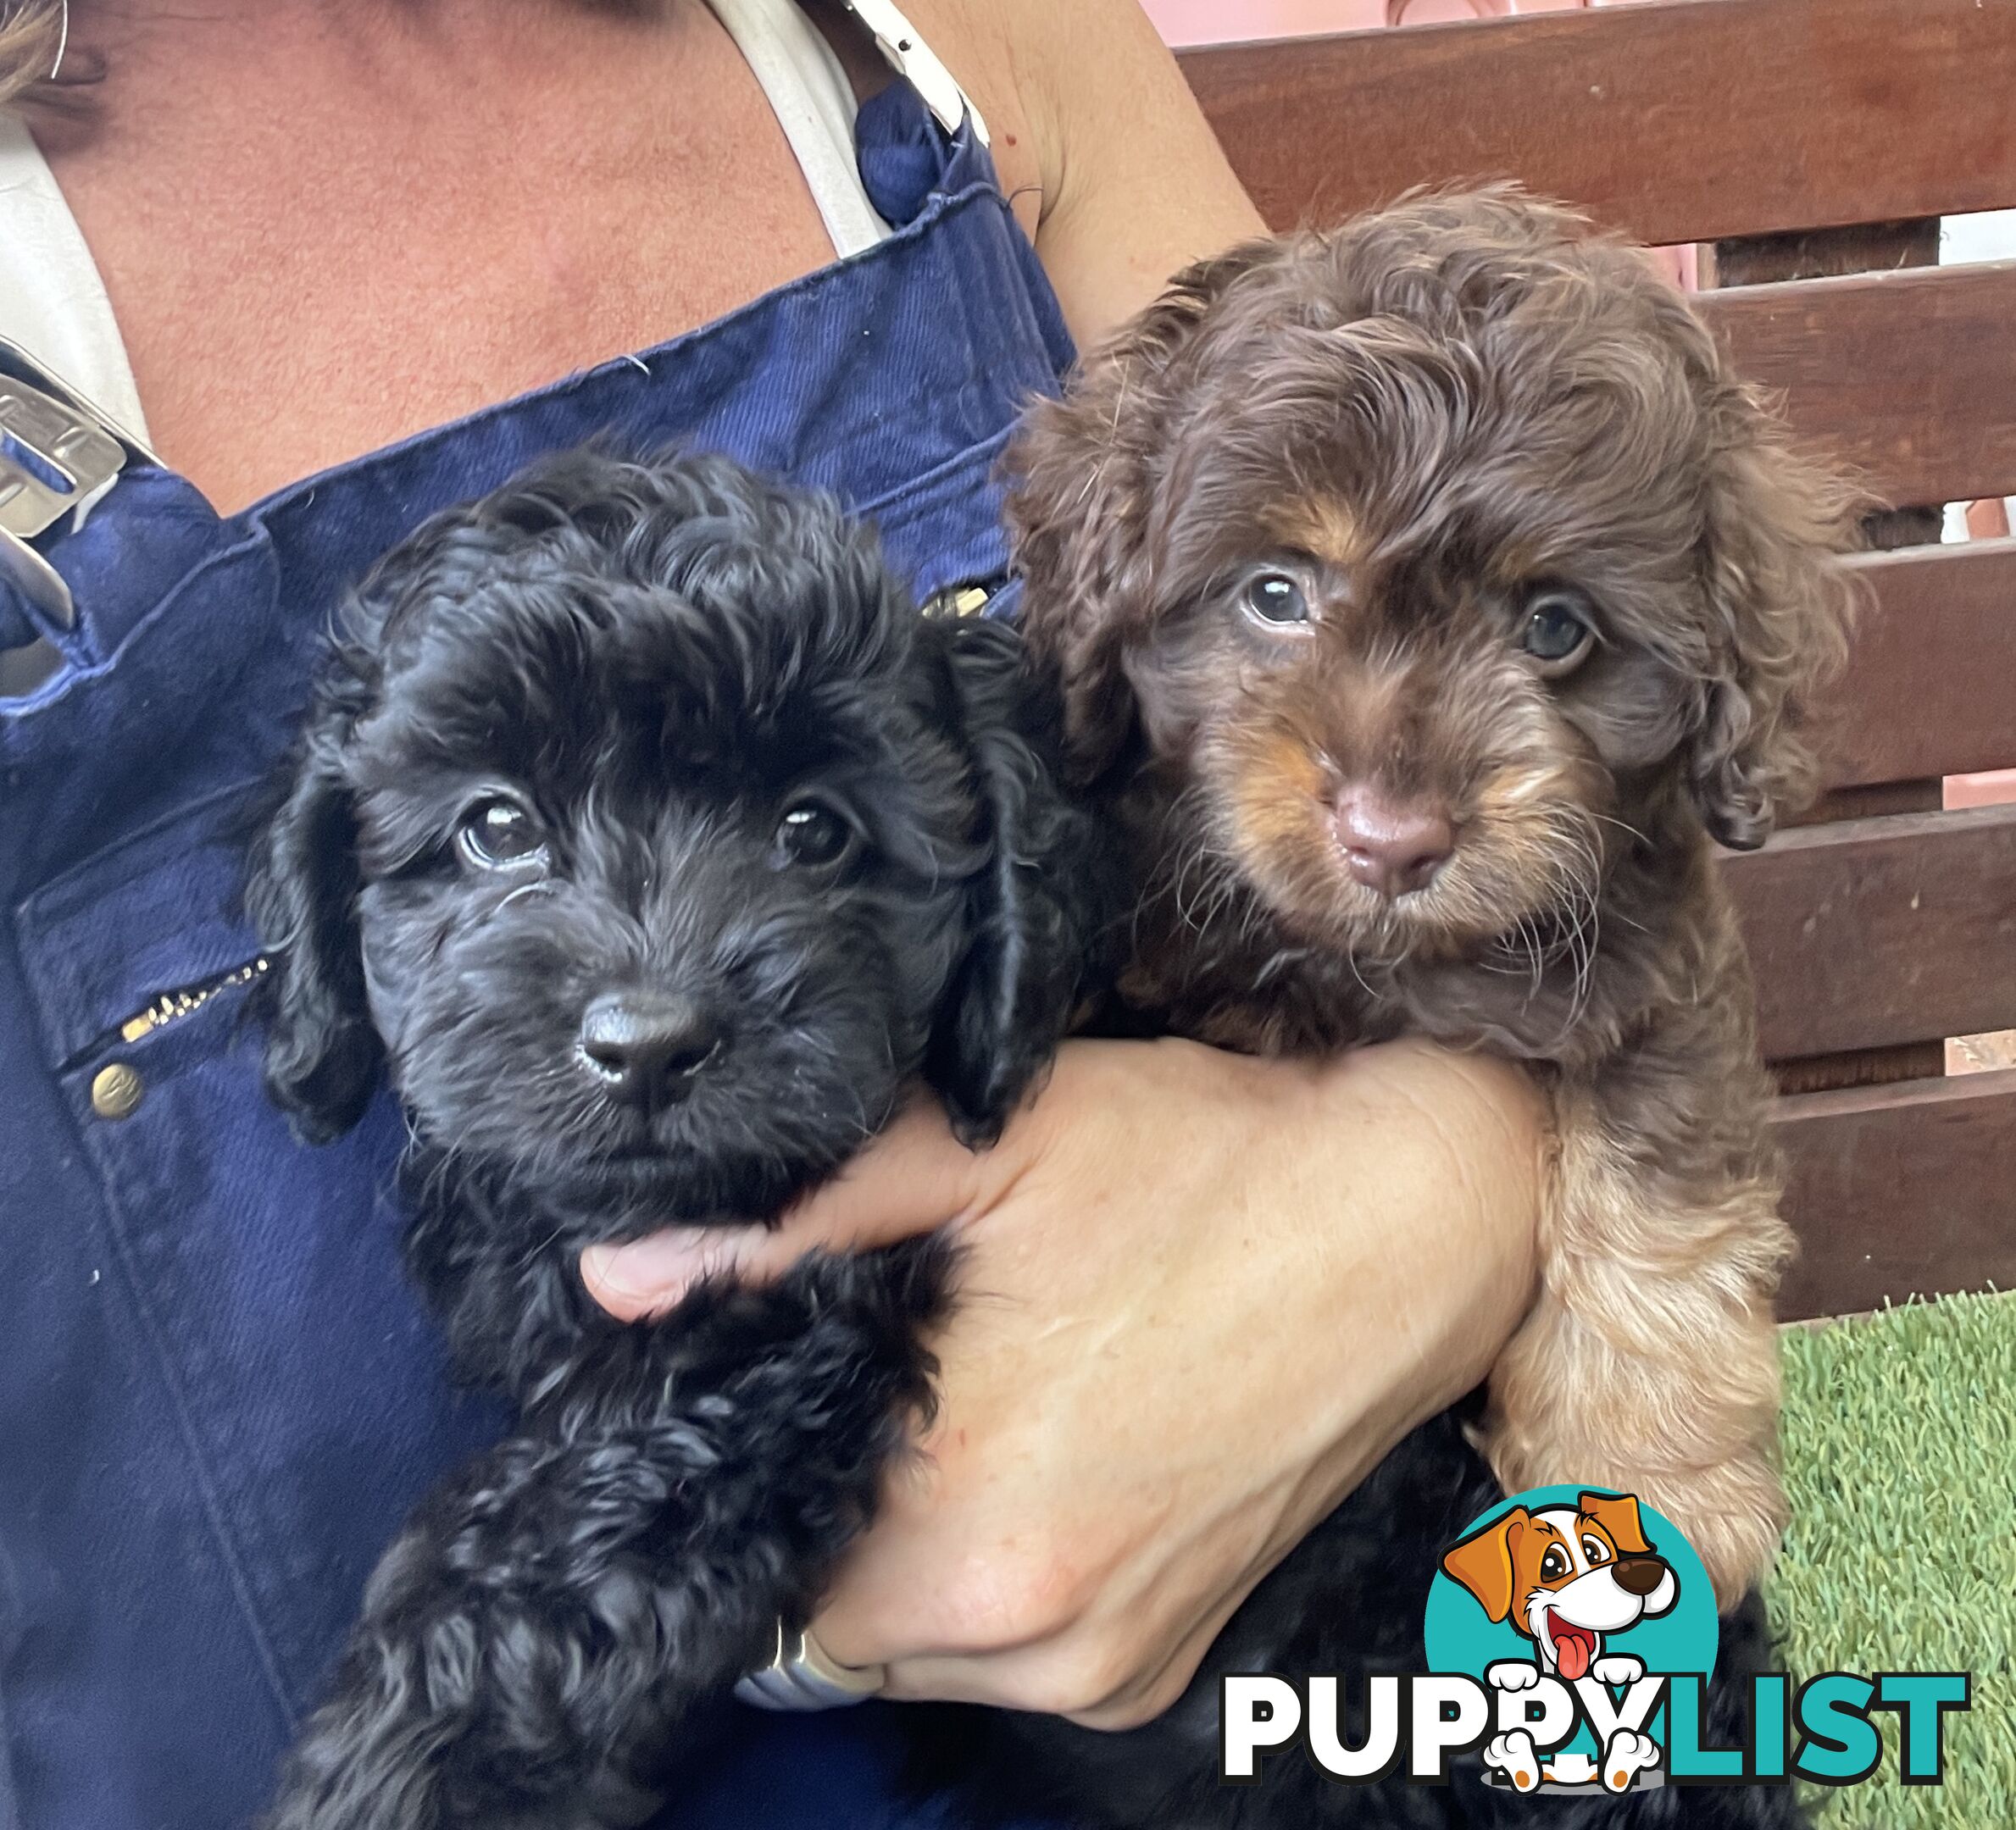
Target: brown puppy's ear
1780,601
1040,909
1084,473
1619,1520
1482,1563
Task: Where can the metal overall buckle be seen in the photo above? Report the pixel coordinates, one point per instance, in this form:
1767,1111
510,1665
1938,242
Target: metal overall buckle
896,39
58,454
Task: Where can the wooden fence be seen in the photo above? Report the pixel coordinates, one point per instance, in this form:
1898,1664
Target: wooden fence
1815,142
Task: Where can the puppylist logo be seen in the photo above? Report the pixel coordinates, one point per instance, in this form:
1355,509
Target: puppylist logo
1591,1609
1570,1635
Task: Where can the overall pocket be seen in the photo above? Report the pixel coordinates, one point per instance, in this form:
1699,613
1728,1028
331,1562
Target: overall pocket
264,1275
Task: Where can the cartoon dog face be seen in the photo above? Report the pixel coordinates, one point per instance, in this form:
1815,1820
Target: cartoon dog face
1565,1576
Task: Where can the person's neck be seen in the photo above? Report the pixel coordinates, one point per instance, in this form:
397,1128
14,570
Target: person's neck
322,232
154,53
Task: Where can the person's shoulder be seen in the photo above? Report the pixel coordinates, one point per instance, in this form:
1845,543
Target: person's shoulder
1097,138
1050,76
1000,56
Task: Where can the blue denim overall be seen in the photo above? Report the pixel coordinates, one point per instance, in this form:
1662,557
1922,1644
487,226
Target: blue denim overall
218,1397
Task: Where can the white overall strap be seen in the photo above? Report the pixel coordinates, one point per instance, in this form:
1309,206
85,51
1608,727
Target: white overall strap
896,39
814,102
53,301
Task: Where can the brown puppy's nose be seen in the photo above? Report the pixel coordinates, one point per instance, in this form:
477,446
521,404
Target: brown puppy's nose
1391,846
647,1047
1640,1575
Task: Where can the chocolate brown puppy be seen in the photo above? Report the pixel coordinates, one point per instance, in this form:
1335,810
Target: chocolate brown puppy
1432,600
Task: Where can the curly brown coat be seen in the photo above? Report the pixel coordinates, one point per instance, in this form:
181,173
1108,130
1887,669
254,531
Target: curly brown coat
1429,596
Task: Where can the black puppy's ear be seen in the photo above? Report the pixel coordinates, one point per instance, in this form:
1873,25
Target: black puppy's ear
1084,475
322,1054
1041,906
1779,602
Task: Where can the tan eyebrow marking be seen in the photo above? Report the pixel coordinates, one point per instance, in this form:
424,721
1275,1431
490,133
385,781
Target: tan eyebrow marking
1322,525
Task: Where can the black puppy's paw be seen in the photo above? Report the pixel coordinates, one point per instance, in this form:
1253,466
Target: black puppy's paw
535,1644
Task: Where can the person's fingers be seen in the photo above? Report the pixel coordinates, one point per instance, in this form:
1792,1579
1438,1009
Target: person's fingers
1157,1689
1016,1627
915,1177
650,1274
1097,1681
1023,1634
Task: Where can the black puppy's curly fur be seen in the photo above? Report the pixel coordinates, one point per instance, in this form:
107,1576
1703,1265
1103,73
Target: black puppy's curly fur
670,734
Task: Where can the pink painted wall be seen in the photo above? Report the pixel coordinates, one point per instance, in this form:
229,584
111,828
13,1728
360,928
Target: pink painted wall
1210,21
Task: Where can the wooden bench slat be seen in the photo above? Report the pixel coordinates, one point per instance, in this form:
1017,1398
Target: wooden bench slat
1930,684
1873,932
1909,377
1899,1191
1679,122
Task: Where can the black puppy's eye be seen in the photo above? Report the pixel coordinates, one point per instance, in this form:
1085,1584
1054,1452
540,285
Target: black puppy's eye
1275,599
812,833
499,834
1557,630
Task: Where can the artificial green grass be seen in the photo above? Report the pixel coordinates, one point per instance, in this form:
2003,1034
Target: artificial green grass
1900,1449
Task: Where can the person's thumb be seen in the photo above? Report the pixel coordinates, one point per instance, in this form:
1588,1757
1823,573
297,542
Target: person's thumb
912,1178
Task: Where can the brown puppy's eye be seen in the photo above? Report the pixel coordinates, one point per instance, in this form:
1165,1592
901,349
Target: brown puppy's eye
812,833
1595,1551
1275,599
1557,631
499,834
1554,1565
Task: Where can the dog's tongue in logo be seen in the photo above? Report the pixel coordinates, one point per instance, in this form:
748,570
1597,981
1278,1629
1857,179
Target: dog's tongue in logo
1573,1646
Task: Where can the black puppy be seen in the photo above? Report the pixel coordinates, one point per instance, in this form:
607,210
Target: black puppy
651,841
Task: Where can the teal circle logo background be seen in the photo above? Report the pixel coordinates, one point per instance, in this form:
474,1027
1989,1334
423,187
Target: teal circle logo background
1462,1638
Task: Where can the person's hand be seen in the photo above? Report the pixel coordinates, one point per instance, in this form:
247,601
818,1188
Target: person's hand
1201,1296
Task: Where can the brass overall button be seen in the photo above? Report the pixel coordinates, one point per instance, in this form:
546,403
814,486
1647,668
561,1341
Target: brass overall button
115,1091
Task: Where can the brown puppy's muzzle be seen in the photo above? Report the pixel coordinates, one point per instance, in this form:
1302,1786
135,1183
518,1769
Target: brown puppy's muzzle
1390,845
1641,1575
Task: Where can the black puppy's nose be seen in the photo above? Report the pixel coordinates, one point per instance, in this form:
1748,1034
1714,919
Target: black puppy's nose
647,1045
